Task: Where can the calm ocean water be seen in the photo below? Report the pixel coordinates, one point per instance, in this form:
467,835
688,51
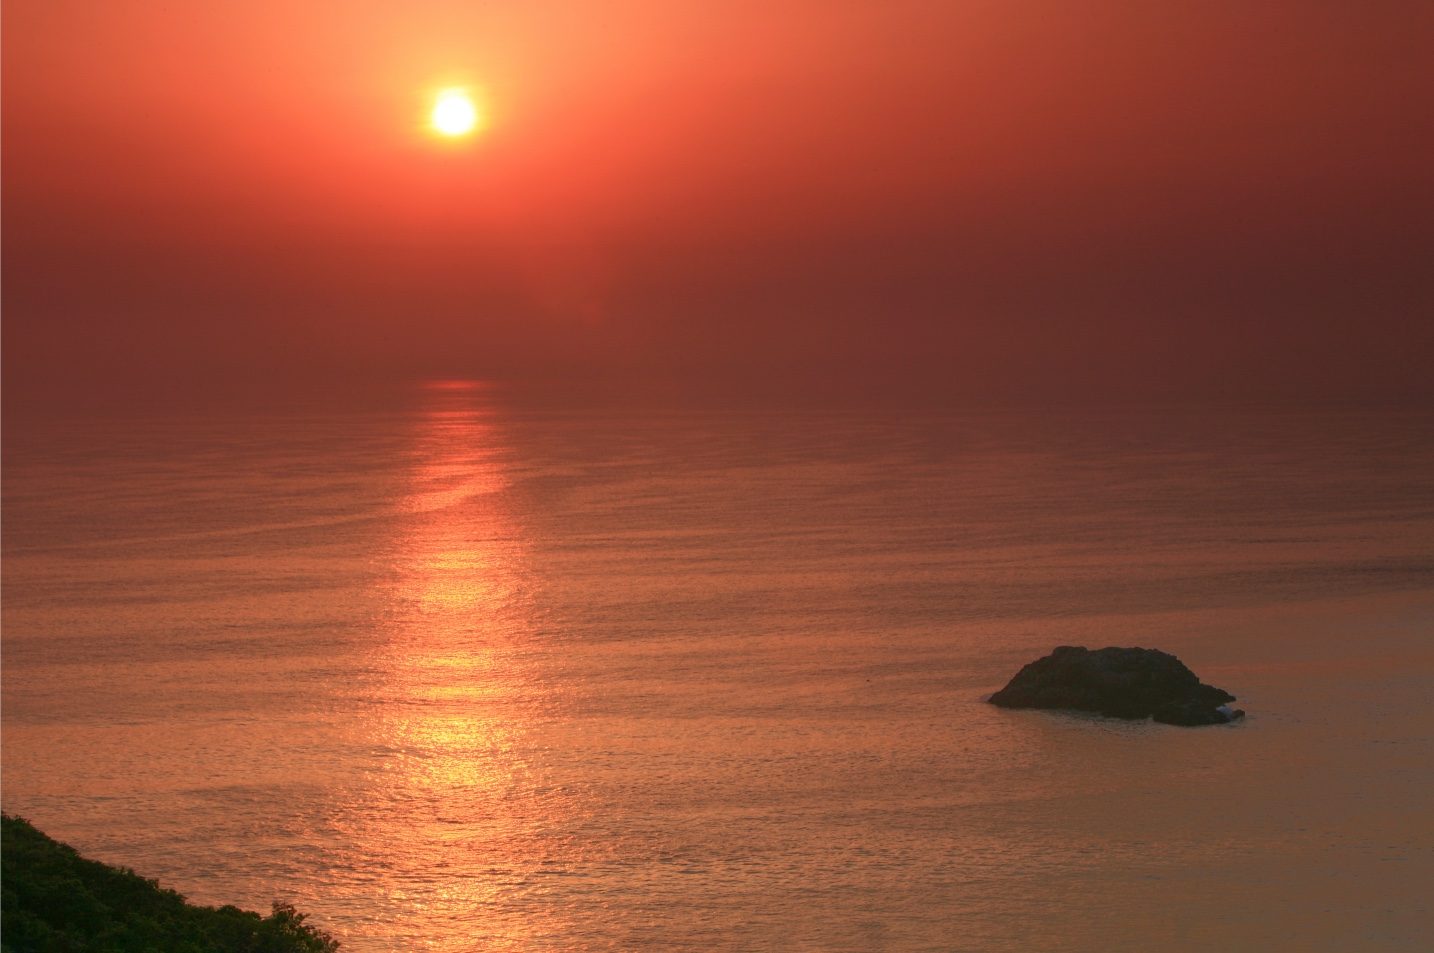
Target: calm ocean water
472,676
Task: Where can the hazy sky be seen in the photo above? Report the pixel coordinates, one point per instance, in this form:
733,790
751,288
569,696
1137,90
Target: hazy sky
973,199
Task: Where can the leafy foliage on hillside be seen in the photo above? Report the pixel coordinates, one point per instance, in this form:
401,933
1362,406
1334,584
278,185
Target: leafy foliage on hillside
56,901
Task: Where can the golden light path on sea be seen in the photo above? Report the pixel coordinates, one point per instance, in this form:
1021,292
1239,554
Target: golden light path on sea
453,803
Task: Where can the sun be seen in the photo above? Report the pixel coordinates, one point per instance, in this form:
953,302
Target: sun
454,113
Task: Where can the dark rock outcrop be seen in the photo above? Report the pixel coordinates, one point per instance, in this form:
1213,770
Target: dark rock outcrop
1120,683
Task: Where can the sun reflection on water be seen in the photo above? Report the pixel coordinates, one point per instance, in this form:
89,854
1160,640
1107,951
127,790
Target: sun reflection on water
450,794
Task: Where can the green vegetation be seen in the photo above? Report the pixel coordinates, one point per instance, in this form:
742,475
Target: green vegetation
56,901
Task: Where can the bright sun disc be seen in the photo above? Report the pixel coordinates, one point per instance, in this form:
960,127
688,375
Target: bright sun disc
454,114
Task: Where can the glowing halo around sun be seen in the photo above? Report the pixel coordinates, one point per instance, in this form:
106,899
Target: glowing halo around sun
454,113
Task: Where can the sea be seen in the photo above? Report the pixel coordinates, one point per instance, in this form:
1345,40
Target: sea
473,672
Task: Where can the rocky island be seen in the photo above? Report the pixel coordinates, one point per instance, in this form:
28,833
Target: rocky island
1119,683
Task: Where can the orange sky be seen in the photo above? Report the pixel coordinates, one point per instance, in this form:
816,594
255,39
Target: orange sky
996,198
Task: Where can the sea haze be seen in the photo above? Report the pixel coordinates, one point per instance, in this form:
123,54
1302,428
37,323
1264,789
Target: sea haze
482,674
